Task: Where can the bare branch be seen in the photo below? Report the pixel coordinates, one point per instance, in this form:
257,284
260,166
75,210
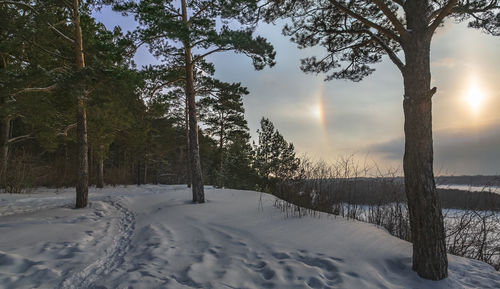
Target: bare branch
219,49
19,138
66,129
392,55
36,89
61,34
392,17
445,11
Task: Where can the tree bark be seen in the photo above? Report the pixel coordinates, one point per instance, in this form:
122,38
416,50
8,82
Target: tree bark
81,119
221,154
100,169
188,148
426,219
138,173
196,173
4,142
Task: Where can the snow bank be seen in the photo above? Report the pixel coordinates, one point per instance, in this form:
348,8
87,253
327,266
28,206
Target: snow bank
153,237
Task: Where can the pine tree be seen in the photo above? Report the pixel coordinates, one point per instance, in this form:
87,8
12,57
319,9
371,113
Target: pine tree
223,113
34,58
275,158
238,172
190,29
356,34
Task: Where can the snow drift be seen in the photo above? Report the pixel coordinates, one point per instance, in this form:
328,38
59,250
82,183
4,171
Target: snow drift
153,237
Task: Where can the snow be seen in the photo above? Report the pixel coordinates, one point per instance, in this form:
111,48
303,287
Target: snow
490,189
153,237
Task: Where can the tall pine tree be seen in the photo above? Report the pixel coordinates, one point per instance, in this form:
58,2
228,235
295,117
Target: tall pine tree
275,158
191,29
356,34
223,113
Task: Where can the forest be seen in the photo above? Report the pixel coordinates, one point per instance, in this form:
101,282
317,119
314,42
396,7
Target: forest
137,119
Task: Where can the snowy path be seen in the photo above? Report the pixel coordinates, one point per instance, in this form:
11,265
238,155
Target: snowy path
153,237
114,254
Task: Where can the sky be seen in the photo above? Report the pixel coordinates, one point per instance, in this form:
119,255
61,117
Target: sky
364,120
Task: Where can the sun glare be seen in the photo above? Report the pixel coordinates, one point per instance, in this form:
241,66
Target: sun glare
474,98
317,112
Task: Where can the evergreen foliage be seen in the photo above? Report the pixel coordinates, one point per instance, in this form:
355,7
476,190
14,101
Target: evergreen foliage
275,158
223,114
183,33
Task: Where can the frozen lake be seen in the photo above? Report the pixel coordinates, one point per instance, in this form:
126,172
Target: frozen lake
495,190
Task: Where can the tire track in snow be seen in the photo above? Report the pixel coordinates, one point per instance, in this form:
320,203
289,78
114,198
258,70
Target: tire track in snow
112,258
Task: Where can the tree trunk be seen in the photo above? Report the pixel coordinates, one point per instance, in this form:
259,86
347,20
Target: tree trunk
91,155
426,219
100,169
65,173
138,173
196,173
221,156
81,119
188,148
4,142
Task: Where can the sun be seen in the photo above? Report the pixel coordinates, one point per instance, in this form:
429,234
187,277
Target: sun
317,111
474,98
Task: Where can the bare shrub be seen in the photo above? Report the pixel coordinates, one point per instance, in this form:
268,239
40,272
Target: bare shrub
344,188
18,177
474,234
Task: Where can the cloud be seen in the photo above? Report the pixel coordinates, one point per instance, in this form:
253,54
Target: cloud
466,151
447,62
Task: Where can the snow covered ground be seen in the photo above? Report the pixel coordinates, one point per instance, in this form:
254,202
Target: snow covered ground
153,237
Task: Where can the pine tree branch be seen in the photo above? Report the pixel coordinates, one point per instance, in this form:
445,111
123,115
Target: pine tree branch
66,129
165,84
195,15
392,55
50,52
392,17
19,138
16,3
29,7
36,89
465,8
445,11
219,49
64,36
365,21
